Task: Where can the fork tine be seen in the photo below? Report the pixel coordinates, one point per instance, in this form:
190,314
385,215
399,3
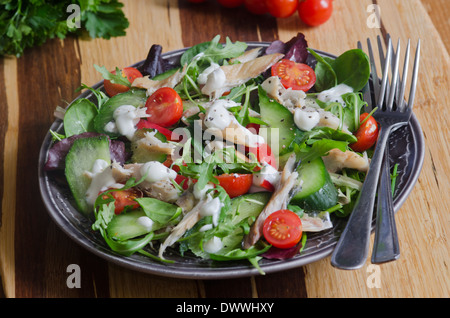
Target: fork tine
414,77
367,90
375,78
384,81
401,94
393,88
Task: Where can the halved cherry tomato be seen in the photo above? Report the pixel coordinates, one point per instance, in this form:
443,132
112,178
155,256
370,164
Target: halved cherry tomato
231,3
283,229
165,107
256,6
264,154
125,198
315,12
281,8
367,134
297,76
113,89
235,184
170,135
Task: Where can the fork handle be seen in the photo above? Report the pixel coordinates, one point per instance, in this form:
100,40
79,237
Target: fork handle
352,248
385,247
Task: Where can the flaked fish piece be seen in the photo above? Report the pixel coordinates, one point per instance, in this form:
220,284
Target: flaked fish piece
162,189
151,85
145,145
247,56
287,97
311,223
188,221
336,160
284,191
228,76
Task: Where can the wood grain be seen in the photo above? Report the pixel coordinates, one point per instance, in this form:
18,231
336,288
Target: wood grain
34,252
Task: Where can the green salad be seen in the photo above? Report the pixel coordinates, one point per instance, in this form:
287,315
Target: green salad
230,153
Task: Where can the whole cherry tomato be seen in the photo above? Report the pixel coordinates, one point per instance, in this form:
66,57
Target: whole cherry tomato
165,107
281,8
315,12
256,6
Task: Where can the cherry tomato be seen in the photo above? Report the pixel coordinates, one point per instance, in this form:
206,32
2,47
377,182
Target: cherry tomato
283,229
264,154
170,135
256,6
235,184
281,8
297,76
165,107
113,89
315,12
231,3
124,198
367,134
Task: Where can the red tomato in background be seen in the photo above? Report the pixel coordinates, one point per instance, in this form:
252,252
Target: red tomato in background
165,107
315,12
297,76
283,229
235,184
113,89
124,198
231,3
256,6
281,8
367,134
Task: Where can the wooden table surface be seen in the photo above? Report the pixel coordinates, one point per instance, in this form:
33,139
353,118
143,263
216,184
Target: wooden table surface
35,253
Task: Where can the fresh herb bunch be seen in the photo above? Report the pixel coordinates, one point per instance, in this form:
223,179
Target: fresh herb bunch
29,23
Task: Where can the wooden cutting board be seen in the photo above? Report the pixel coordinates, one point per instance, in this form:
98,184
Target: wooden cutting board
35,253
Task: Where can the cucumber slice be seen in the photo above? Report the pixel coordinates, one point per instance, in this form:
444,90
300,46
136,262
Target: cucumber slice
81,158
318,191
135,97
125,226
280,118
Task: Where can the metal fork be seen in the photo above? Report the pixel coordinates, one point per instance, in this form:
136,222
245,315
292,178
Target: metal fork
352,248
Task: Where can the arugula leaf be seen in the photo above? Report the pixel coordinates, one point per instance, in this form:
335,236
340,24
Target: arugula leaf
114,78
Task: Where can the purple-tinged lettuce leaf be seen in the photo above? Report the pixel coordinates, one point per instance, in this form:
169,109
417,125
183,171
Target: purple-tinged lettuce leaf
57,153
282,253
294,50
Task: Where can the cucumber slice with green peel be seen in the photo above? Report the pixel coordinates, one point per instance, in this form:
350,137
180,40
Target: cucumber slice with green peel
134,97
282,131
79,117
80,159
126,226
318,191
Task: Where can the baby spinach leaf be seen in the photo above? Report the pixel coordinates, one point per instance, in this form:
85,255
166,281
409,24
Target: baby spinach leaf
79,117
352,68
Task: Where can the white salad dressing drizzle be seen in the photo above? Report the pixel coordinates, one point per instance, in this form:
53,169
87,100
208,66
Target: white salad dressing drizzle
200,194
334,94
203,76
213,245
146,222
212,208
155,171
268,173
102,179
217,116
126,118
